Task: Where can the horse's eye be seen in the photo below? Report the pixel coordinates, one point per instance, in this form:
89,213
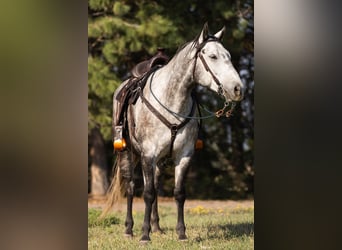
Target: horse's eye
213,56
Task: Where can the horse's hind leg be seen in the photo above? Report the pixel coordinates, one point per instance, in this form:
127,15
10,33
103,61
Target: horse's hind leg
149,196
179,192
127,169
155,216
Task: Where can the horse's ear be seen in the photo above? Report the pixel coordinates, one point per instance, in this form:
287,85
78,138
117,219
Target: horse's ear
220,34
204,33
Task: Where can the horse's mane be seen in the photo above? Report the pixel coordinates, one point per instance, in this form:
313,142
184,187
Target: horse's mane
193,43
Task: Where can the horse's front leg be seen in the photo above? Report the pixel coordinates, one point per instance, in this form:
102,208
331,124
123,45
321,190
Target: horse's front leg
155,216
149,197
181,170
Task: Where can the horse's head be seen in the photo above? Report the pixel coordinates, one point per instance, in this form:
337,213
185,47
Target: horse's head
213,67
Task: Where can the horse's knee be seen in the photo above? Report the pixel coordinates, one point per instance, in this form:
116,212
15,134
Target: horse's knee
130,188
149,195
179,194
149,189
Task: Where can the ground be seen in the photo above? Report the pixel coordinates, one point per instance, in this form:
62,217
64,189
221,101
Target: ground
211,224
138,203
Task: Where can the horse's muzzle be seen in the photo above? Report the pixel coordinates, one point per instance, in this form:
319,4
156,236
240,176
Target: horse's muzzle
236,94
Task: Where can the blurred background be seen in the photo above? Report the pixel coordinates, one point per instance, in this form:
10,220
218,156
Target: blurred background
44,60
123,33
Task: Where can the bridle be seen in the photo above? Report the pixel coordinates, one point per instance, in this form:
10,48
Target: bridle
199,47
219,85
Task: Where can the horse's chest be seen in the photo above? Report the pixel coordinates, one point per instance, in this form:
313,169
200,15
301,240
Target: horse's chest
156,137
160,138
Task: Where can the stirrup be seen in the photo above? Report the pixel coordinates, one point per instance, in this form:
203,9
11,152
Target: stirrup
119,142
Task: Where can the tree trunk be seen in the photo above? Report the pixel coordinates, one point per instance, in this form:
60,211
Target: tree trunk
99,166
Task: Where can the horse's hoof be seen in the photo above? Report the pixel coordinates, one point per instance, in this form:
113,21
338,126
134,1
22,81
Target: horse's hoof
145,239
128,236
158,230
183,238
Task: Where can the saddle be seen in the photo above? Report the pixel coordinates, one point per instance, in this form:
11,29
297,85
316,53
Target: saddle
130,92
145,66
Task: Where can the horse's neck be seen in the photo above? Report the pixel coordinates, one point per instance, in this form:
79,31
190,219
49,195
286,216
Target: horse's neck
175,83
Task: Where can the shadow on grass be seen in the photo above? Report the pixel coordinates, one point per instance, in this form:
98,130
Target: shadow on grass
229,231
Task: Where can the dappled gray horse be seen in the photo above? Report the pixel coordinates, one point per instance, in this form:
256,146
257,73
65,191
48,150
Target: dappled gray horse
162,125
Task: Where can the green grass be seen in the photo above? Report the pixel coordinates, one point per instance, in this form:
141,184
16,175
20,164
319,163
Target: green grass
206,229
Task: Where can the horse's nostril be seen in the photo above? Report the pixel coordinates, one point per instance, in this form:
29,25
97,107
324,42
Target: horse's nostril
237,89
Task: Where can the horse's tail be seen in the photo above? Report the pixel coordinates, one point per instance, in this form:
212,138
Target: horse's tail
116,188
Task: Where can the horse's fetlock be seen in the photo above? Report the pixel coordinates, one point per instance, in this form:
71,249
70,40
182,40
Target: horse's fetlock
129,223
129,231
146,228
180,229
